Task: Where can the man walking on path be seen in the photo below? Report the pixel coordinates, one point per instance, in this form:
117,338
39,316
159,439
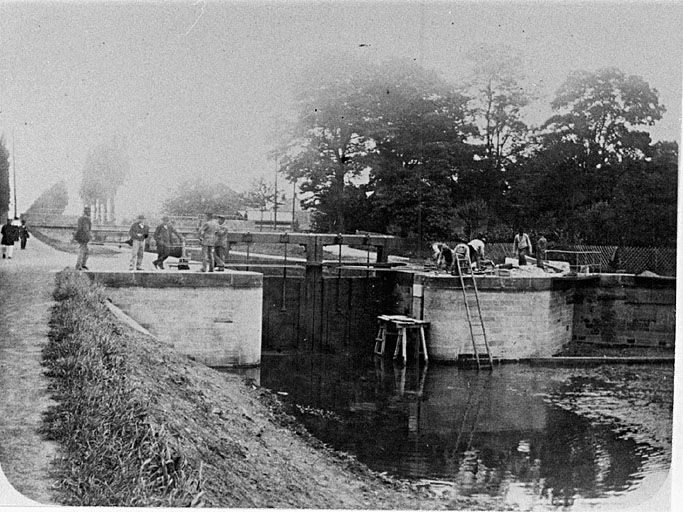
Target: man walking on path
162,236
82,236
138,232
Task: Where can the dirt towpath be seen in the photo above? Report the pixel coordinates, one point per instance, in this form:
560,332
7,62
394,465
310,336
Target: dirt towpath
26,285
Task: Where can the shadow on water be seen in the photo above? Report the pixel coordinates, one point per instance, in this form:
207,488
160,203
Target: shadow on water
483,433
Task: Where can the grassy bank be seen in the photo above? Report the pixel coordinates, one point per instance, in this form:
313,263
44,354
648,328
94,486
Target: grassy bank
139,425
115,451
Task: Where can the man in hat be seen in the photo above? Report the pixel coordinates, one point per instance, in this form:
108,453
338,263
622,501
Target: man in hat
8,239
162,235
82,236
139,231
220,244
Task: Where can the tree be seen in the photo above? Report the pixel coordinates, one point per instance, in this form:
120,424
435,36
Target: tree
644,207
263,196
325,145
4,177
581,157
106,168
420,156
197,197
398,124
52,201
600,110
474,215
498,97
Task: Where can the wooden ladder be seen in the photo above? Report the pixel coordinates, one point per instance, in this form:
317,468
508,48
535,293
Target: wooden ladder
480,344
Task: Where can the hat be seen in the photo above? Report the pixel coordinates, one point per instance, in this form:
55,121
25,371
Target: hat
141,217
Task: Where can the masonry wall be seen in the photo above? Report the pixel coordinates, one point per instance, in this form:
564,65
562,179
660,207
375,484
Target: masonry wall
523,317
626,310
214,318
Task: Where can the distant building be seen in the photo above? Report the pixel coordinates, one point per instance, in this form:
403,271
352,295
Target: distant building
265,221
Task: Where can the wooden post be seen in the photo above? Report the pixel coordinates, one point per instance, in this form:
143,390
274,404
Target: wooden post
312,303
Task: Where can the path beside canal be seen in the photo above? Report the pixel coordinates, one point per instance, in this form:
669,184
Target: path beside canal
26,285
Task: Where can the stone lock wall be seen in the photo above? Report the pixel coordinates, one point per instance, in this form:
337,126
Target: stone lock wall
626,310
523,317
214,318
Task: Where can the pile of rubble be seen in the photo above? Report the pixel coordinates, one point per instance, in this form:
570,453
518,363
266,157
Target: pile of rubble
551,268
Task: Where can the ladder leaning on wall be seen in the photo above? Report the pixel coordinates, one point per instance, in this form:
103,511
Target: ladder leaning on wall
480,344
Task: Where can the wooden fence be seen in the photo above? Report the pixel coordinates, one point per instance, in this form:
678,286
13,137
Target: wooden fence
632,260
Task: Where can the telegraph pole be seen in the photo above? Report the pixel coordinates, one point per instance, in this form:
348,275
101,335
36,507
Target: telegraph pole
293,201
275,200
14,165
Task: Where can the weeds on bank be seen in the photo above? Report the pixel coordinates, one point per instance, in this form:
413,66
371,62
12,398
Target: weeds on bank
113,452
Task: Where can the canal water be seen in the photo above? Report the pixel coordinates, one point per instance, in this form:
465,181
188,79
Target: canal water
541,438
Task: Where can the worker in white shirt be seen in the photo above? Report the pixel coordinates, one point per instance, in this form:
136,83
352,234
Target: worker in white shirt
477,254
522,246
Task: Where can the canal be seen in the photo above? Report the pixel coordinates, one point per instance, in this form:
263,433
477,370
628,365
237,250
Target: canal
538,437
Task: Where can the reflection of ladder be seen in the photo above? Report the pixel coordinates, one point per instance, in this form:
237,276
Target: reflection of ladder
471,412
480,344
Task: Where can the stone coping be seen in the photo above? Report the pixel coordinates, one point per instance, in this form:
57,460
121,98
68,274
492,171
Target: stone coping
543,283
153,279
497,283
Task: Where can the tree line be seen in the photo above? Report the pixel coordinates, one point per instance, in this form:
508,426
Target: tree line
394,148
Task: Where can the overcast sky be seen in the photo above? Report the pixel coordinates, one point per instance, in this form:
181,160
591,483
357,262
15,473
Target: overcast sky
198,88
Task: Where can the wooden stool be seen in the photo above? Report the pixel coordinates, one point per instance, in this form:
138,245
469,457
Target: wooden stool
402,324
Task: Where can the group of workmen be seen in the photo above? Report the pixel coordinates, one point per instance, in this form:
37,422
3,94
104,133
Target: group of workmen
212,233
474,251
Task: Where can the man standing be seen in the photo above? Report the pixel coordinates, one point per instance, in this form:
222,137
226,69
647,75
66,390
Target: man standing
541,247
220,243
207,237
162,235
522,246
8,238
23,233
82,236
138,232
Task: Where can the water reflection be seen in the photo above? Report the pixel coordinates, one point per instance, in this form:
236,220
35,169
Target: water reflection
484,433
